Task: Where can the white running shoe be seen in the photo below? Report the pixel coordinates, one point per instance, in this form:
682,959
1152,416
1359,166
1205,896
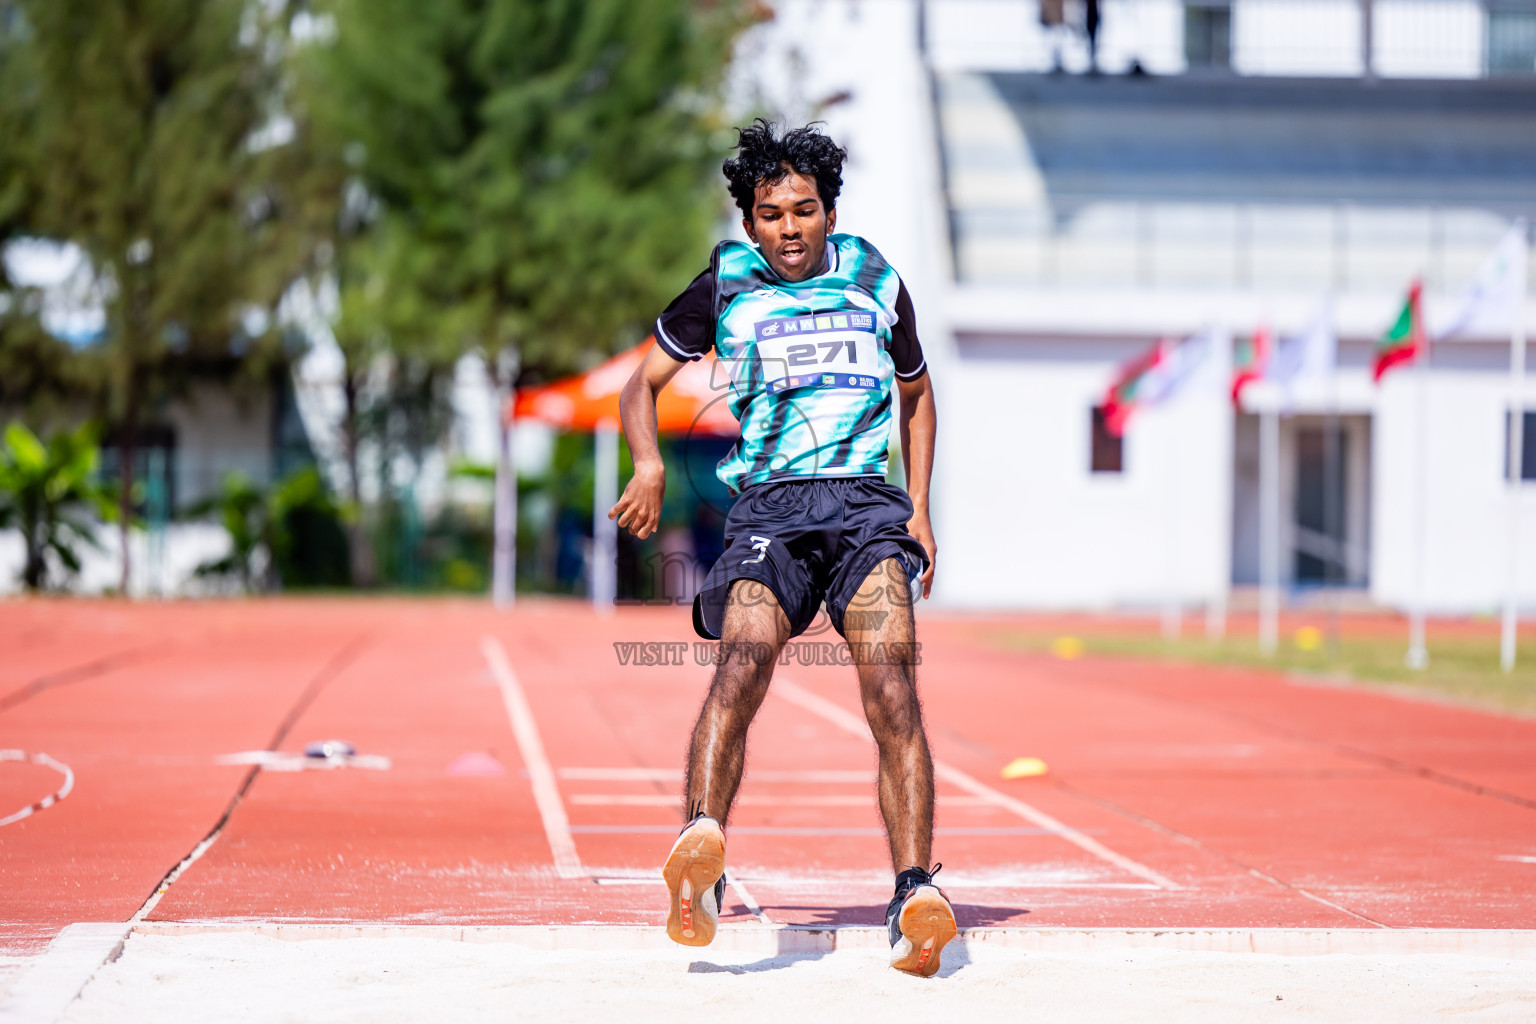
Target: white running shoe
695,876
921,922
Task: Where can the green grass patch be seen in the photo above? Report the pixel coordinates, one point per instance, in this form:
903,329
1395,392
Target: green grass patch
1462,668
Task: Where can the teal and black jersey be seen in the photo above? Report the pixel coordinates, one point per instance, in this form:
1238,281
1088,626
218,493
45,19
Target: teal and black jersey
810,363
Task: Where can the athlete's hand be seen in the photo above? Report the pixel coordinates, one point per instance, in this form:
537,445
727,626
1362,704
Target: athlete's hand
919,527
639,508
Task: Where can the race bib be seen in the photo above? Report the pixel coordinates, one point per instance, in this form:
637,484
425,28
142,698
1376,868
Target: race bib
824,350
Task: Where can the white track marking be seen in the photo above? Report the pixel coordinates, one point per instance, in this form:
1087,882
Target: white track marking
282,761
747,898
47,801
1505,943
179,870
557,827
851,723
855,776
51,982
954,776
772,830
752,800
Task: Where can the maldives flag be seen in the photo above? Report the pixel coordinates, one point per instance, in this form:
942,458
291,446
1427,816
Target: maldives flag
1250,362
1129,388
1404,340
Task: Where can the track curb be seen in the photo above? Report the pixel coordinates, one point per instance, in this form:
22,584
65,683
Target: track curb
1517,944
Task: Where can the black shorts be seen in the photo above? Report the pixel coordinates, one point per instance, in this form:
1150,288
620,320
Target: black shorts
809,541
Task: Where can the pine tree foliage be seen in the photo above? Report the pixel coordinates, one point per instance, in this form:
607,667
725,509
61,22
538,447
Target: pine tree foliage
532,176
151,134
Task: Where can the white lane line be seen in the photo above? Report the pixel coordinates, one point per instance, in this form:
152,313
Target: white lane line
782,886
284,761
557,827
746,897
851,723
51,982
855,776
49,800
179,870
753,800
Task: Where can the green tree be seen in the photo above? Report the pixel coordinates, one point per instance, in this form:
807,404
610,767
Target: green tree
49,493
526,179
241,508
152,134
38,373
286,534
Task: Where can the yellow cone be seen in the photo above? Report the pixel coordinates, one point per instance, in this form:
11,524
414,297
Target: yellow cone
1024,768
1067,648
1309,638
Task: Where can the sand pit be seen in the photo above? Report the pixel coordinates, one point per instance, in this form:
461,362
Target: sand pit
242,976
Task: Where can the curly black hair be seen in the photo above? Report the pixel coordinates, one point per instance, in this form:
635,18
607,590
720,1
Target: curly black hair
766,158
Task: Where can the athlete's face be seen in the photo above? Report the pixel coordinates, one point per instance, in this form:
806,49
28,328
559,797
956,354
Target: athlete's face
791,226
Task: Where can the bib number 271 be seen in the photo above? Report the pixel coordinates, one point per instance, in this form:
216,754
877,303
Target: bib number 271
815,353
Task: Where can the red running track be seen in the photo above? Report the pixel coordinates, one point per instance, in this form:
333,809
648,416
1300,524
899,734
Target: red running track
1179,796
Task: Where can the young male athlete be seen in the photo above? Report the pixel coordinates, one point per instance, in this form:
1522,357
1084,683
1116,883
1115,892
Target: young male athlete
813,328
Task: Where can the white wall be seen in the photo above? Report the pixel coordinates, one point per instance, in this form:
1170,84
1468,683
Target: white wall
220,432
1028,525
185,547
1412,38
217,432
1466,525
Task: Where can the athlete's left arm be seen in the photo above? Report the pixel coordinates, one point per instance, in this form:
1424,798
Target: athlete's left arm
919,424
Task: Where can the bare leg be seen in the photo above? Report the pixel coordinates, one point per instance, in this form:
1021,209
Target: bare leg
882,636
754,631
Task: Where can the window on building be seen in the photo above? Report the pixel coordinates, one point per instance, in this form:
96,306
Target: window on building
1108,454
1511,37
1322,480
1208,34
154,469
1527,447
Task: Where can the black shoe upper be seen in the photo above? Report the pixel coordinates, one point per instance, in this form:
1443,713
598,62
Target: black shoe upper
906,881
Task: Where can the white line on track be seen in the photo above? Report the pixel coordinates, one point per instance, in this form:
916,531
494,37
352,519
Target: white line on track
176,872
747,898
49,800
557,827
849,722
854,776
287,761
753,800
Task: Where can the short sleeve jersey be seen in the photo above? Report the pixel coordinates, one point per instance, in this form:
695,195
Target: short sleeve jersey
810,363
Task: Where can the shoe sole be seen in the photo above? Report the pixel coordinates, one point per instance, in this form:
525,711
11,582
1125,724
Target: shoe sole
927,925
696,862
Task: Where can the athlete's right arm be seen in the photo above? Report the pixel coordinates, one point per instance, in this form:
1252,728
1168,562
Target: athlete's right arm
639,509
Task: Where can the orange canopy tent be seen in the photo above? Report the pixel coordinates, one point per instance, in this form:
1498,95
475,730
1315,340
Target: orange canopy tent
694,402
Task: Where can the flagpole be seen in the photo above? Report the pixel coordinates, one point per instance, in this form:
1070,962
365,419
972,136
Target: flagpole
1332,507
504,505
1173,608
1269,530
1509,631
1418,654
605,532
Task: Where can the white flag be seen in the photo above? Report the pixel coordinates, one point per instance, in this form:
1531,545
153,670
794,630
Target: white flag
1309,354
1488,306
1201,364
